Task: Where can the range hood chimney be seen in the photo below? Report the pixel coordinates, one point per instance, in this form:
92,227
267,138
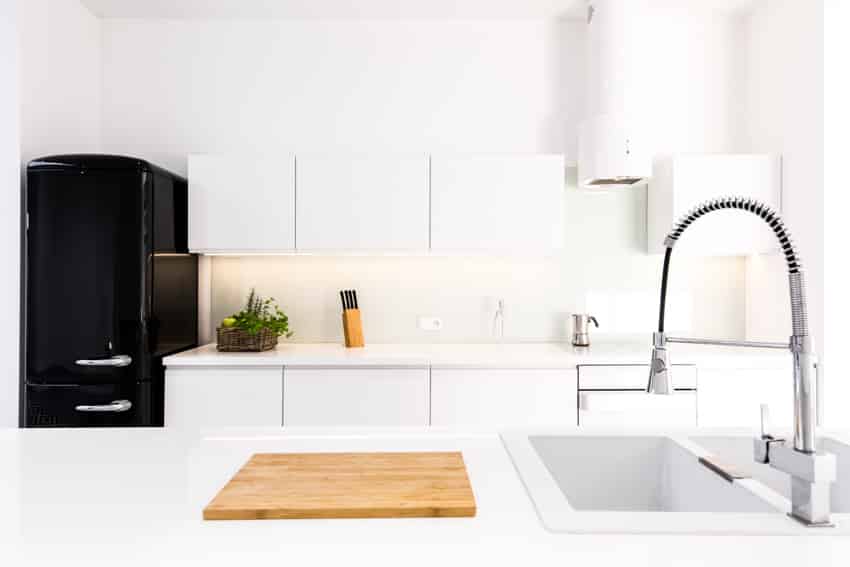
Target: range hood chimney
613,140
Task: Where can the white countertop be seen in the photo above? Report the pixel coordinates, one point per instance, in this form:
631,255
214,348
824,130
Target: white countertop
134,497
495,355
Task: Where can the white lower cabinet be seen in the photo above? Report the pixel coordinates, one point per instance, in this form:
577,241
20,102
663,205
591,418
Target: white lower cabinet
499,398
493,398
637,409
613,395
731,397
201,398
331,397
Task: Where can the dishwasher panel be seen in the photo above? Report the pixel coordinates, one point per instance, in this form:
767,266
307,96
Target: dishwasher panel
635,408
613,396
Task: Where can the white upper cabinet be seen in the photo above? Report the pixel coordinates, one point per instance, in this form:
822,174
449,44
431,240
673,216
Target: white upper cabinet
241,203
371,202
376,202
681,182
497,203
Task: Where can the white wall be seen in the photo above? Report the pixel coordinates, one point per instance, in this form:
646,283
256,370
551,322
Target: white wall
177,87
60,78
692,87
10,175
785,115
837,202
611,278
53,105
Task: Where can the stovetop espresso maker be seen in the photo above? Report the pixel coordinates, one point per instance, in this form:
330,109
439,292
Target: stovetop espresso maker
581,322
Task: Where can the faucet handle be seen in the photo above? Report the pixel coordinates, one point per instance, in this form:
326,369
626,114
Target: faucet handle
765,422
766,426
761,446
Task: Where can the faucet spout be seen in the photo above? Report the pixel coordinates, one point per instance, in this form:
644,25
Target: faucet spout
660,378
800,344
808,500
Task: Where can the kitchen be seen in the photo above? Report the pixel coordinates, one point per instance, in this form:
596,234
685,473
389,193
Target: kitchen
440,161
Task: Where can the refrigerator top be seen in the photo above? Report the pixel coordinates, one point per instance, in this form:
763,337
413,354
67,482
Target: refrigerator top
93,162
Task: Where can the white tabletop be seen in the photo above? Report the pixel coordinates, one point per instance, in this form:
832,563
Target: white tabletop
134,497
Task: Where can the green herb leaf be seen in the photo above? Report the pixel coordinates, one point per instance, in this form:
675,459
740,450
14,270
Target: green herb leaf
259,314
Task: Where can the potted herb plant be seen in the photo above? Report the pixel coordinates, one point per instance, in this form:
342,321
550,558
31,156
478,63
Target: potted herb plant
255,328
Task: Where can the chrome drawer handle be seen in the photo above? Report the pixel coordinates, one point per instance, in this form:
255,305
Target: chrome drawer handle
116,361
115,407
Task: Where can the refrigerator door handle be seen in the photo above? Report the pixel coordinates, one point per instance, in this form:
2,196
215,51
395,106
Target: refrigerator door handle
117,406
116,361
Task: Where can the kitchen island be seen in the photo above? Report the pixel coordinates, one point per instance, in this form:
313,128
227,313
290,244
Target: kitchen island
135,496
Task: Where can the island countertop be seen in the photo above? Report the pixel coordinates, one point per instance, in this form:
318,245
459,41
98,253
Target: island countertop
135,496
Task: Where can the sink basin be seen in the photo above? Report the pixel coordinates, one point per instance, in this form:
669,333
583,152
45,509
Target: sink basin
651,474
738,452
597,482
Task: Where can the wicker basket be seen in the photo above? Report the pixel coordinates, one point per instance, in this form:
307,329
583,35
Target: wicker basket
237,340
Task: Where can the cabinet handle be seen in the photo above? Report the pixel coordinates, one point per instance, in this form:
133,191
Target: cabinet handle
116,361
117,406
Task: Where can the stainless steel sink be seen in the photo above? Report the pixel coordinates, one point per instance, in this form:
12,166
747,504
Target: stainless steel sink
597,482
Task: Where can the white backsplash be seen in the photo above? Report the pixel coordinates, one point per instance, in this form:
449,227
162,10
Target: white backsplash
602,270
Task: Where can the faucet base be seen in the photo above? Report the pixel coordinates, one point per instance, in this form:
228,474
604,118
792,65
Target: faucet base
808,524
810,502
812,475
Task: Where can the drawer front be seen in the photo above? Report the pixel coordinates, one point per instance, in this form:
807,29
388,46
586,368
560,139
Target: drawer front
500,398
331,397
631,376
751,387
629,409
199,398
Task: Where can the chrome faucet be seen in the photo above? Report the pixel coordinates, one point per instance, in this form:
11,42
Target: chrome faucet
811,473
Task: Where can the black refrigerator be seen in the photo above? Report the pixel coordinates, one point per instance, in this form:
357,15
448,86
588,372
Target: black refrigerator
109,289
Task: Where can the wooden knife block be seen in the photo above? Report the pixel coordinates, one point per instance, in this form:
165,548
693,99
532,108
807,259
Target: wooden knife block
352,328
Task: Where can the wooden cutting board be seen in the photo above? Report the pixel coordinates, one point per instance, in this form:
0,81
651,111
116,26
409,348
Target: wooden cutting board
346,485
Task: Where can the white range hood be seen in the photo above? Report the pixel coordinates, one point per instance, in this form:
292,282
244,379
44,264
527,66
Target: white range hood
613,140
612,153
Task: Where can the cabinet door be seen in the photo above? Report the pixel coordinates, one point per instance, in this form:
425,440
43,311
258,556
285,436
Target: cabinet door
498,398
199,398
608,377
331,397
241,203
362,202
682,182
731,398
637,408
497,203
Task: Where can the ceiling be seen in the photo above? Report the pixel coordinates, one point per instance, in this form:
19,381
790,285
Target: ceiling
335,9
358,9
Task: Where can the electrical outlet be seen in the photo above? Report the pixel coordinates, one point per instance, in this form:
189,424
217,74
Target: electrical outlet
430,323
